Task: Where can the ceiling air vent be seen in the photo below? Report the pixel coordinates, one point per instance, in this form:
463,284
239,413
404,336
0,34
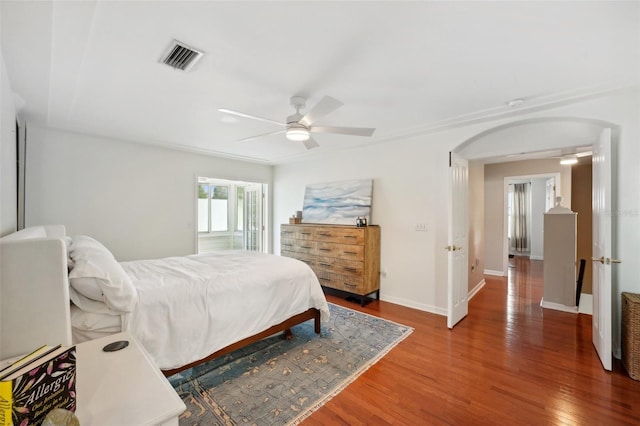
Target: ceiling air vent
180,56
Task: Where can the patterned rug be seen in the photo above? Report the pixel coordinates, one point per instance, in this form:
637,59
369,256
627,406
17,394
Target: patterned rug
281,382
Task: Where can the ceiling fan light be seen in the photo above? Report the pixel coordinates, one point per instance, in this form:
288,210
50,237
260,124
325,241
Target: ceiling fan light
569,159
298,134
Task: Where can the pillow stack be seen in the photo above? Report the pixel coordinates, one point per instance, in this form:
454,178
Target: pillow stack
98,282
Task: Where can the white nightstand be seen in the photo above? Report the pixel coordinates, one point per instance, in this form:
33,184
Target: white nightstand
123,387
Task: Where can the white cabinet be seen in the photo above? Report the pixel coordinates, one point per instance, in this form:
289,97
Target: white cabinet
122,387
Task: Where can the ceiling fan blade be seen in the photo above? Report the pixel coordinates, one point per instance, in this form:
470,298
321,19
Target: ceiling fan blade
250,138
322,108
253,117
310,143
354,131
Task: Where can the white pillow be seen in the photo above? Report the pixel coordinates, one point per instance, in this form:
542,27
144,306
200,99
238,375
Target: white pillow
90,305
97,275
70,264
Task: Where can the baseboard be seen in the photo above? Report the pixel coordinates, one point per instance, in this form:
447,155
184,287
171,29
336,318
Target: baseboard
496,273
559,307
429,308
586,304
536,258
411,304
476,289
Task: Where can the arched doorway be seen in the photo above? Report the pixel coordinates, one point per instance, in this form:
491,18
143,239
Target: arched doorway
537,138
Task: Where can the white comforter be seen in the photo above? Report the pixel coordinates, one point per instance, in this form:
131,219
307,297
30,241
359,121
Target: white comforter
189,307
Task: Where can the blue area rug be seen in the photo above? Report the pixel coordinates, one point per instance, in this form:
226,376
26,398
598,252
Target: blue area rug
281,382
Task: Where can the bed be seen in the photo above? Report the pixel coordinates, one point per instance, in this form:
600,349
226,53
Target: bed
183,310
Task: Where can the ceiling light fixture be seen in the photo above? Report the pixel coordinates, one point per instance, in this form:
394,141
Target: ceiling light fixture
297,133
569,159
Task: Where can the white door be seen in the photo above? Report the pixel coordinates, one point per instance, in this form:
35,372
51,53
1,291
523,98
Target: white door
253,227
458,302
601,254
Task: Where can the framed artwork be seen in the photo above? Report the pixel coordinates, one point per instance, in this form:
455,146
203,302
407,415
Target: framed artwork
337,203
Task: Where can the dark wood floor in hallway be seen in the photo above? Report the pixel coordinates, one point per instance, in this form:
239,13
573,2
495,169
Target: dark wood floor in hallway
509,362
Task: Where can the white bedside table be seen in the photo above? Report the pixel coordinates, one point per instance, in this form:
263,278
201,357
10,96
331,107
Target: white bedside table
123,387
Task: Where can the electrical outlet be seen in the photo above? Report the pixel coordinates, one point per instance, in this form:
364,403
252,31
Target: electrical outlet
421,227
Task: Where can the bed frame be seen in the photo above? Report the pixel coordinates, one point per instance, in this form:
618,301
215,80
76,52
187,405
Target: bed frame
34,296
285,326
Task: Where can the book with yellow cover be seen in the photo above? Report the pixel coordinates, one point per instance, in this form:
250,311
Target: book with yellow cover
37,386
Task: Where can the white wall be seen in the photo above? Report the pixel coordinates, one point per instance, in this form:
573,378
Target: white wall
410,185
8,178
476,224
139,200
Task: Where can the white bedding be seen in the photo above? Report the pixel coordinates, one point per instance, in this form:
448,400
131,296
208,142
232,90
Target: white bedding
190,307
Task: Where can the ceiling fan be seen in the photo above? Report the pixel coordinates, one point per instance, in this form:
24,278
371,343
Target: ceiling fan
299,127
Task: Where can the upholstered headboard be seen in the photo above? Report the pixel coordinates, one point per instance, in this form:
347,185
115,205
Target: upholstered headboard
34,290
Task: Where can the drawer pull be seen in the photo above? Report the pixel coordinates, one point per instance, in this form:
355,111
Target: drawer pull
350,285
305,247
306,233
325,279
350,252
326,265
324,234
324,249
350,269
287,245
349,236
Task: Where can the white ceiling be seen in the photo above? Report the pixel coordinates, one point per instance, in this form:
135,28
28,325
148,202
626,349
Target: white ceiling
401,67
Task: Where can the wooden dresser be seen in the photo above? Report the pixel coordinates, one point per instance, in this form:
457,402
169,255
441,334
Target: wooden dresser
343,257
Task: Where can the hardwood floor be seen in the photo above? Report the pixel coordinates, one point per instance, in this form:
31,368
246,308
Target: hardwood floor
509,362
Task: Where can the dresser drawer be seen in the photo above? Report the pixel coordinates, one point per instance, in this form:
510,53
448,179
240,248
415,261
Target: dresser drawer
348,283
298,232
340,266
341,235
309,259
300,246
340,251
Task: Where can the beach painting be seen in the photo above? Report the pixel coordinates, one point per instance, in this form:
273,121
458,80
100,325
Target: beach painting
338,203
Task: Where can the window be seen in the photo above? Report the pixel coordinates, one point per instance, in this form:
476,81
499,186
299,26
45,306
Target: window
213,208
229,215
219,208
